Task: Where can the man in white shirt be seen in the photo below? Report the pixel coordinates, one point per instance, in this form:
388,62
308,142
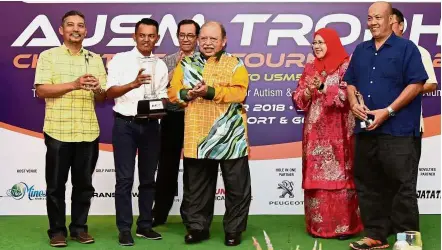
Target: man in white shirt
431,84
128,85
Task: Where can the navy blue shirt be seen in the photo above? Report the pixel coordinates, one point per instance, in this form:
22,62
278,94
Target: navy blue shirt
380,76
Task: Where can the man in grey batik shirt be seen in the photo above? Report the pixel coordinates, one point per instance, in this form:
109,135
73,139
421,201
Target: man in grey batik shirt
172,129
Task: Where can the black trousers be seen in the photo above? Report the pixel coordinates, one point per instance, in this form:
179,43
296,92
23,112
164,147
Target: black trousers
81,158
199,180
418,144
172,136
128,136
386,169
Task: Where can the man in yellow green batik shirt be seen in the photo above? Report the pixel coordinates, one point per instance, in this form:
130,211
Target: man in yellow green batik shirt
212,86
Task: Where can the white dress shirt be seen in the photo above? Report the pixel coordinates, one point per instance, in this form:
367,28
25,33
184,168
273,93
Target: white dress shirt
123,69
429,68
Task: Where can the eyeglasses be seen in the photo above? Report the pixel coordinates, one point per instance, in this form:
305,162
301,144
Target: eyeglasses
320,43
182,36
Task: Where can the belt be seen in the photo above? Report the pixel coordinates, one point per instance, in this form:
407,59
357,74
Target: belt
133,118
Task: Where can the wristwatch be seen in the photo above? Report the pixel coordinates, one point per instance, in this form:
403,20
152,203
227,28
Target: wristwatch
390,111
99,91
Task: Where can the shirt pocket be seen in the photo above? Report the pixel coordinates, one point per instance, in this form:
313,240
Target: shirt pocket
391,68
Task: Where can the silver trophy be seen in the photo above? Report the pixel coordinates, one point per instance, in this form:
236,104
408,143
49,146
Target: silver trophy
87,56
360,99
151,106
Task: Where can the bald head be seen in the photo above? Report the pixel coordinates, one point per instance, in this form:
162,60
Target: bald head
212,38
382,6
380,19
215,24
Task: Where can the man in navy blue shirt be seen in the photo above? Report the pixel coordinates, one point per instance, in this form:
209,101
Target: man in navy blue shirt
388,73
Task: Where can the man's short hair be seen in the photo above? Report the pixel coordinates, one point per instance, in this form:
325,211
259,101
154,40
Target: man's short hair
147,21
72,13
223,30
189,21
398,14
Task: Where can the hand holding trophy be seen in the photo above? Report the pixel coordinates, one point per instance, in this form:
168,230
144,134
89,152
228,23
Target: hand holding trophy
85,82
141,79
360,110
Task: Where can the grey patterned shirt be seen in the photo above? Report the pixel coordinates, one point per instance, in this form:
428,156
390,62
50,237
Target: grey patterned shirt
170,61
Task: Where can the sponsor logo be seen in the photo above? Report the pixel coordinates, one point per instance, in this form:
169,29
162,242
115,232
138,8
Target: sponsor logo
26,171
21,190
286,172
428,194
286,203
286,197
427,171
110,195
220,194
105,170
287,189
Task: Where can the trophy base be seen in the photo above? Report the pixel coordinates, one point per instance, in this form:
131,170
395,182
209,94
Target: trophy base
153,109
365,124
